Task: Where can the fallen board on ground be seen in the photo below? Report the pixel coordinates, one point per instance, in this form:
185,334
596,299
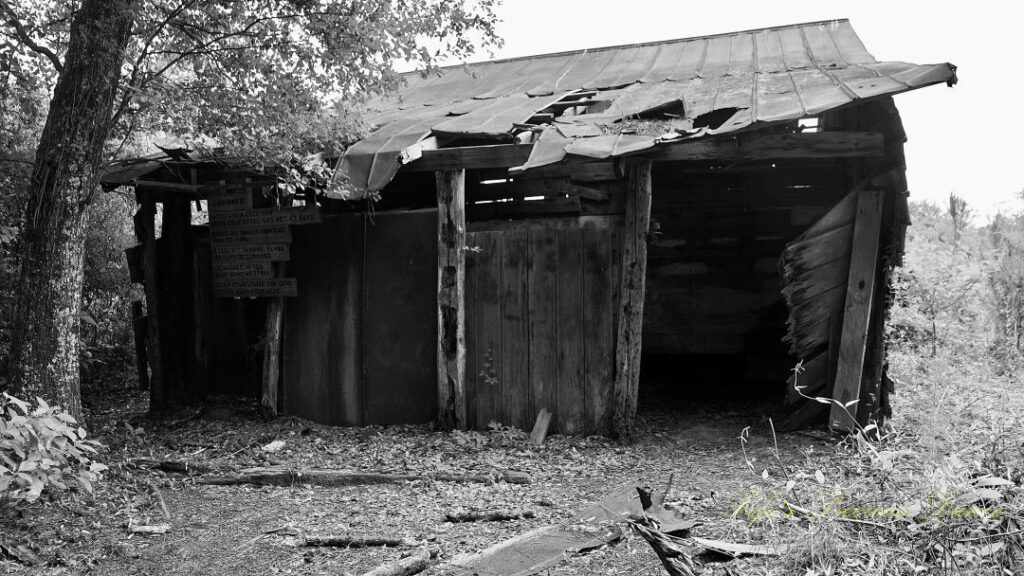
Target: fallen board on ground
545,547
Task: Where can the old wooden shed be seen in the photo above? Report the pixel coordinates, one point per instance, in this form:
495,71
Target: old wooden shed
542,229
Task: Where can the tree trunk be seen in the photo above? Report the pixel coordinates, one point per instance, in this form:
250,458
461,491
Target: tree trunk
44,348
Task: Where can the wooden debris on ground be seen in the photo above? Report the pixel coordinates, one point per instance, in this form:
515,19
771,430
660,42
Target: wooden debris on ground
160,501
413,564
736,550
540,427
674,558
19,553
547,546
292,476
489,516
169,466
346,541
149,529
669,521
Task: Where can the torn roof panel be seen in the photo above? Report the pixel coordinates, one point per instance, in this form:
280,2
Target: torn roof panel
494,118
714,84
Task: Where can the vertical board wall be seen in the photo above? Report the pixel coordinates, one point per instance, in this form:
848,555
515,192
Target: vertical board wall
360,338
541,304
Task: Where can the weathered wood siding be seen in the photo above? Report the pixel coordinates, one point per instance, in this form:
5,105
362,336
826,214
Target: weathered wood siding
360,338
817,267
541,300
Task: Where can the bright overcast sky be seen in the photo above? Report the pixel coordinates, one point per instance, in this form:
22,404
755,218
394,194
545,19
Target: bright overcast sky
964,139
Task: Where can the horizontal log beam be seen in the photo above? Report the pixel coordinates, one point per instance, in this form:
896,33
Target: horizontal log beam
750,147
776,147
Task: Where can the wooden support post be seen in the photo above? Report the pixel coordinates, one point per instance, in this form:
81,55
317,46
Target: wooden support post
272,346
860,291
631,305
201,308
272,357
451,313
176,301
146,227
139,335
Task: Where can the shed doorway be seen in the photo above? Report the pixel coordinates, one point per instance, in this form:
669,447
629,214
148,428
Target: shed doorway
714,313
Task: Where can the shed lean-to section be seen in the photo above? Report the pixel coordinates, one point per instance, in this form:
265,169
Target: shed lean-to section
548,227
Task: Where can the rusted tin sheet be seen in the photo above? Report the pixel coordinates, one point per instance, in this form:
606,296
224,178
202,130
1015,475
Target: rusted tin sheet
760,76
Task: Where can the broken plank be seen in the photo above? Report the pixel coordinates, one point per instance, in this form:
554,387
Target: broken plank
540,427
736,549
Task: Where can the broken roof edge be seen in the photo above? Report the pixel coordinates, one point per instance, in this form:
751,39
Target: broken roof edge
623,46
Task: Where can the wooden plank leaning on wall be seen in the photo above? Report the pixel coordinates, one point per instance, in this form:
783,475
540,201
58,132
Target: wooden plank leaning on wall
631,297
860,294
451,306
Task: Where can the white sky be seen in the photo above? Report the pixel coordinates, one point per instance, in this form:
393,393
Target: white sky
964,139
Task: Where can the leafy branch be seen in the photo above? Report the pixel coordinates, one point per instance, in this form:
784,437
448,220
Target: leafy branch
25,37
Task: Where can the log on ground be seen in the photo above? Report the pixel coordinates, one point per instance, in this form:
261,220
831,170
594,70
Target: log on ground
290,477
170,466
489,516
346,541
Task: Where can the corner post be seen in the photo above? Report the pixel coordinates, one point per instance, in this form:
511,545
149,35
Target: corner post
860,291
145,226
631,299
451,312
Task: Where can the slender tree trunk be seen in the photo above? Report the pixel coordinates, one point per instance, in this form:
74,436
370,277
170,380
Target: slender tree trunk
44,348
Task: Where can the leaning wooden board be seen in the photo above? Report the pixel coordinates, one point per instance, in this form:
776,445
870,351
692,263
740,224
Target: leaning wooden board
246,241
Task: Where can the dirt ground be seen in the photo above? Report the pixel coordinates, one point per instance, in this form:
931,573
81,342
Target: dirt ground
242,530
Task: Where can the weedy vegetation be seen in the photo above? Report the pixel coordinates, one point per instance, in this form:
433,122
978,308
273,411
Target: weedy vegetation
938,488
43,450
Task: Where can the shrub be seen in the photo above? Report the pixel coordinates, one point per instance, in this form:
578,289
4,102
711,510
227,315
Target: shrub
42,449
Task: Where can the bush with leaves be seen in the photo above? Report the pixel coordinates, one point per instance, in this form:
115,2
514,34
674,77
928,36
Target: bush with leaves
43,449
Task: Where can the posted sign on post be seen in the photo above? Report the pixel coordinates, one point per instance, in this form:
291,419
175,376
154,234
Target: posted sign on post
246,242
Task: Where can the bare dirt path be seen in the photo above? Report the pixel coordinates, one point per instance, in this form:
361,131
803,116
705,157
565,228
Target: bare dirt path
242,530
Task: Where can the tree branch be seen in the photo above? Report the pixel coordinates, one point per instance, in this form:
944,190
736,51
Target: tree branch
17,161
26,38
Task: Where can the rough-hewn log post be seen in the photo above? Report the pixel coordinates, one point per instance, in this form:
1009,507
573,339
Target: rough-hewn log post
144,222
139,337
631,304
451,313
272,355
860,291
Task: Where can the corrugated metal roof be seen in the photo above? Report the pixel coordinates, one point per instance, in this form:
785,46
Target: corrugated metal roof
758,76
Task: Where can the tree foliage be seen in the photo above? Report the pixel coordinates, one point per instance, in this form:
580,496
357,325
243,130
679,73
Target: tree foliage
263,78
962,286
266,79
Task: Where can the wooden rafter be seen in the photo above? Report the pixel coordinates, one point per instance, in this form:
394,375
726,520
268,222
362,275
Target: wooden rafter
738,148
